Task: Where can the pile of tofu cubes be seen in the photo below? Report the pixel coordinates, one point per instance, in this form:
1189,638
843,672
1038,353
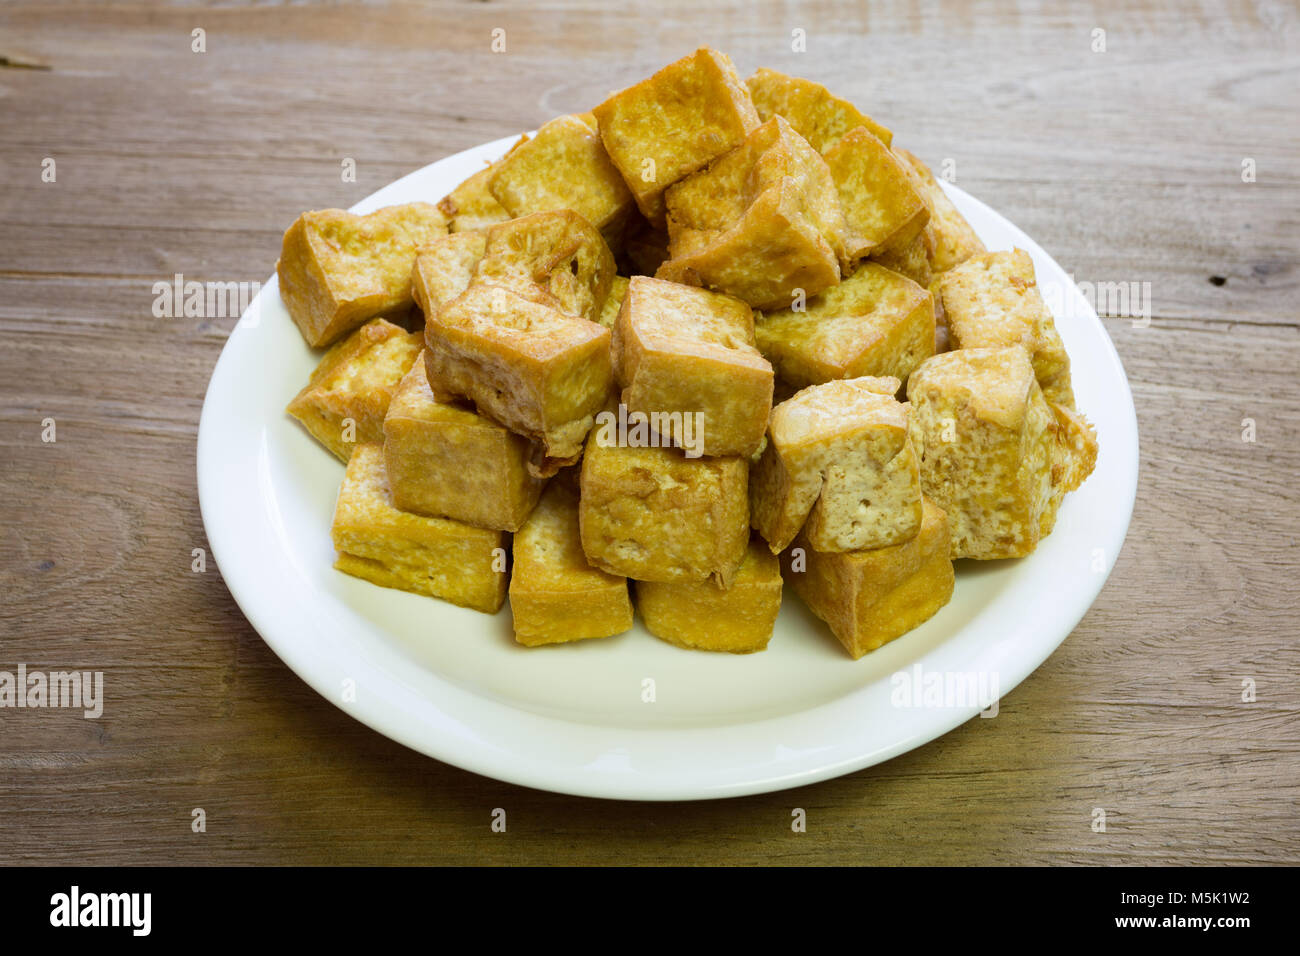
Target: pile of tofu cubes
712,337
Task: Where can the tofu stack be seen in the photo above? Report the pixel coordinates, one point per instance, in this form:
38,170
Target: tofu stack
712,336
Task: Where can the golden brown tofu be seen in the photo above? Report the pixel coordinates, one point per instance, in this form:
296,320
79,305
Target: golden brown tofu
613,302
564,166
703,617
991,301
557,253
875,322
761,223
816,114
883,206
677,121
539,372
435,556
345,399
686,358
653,514
985,439
1074,455
446,459
838,466
869,598
338,269
954,239
471,205
555,595
443,268
912,260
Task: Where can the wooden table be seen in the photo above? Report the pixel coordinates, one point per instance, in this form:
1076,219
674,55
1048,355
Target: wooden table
1126,164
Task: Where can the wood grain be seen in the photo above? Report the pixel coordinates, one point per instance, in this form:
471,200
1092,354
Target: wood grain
1125,165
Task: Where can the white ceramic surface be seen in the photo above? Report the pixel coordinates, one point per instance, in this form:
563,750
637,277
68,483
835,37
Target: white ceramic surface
452,684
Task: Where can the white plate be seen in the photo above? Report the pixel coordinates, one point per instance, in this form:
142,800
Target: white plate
452,684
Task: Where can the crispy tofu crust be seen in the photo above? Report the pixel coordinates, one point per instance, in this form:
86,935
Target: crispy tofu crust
434,556
869,598
666,127
471,205
444,267
678,349
911,260
991,301
555,595
654,515
564,166
816,115
355,381
761,223
839,466
883,206
446,459
985,439
1074,455
954,241
875,322
703,617
613,302
536,370
338,269
557,258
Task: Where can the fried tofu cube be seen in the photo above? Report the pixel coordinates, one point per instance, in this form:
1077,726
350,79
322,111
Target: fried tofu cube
686,359
761,223
954,241
564,166
703,617
673,123
839,466
912,260
434,556
557,253
816,115
539,372
653,514
613,302
883,206
444,267
869,598
555,595
875,322
345,399
992,301
1074,455
985,439
338,269
445,459
471,205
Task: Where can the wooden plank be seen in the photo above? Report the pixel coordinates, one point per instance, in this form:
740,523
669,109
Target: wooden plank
1126,166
